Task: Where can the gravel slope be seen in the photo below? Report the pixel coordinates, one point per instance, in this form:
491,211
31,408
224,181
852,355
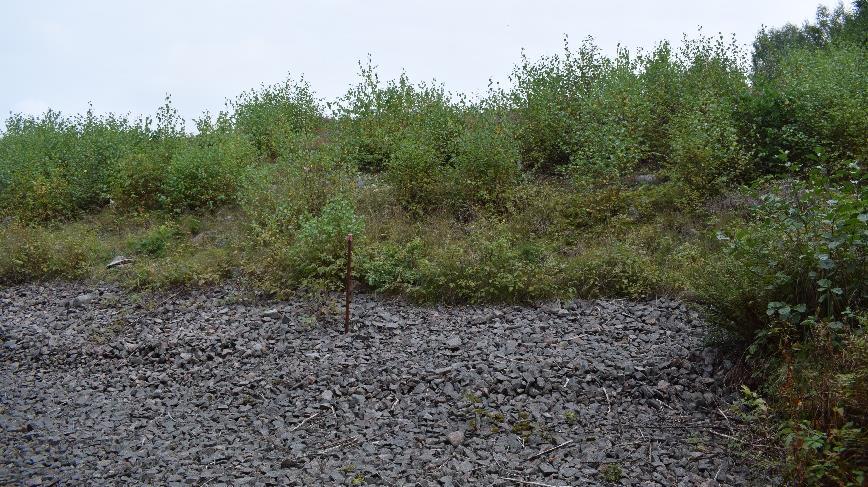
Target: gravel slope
103,388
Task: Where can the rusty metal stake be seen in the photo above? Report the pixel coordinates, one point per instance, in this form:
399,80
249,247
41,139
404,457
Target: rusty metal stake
349,282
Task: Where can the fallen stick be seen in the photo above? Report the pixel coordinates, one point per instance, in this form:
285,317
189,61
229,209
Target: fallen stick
299,425
339,444
607,400
534,457
530,482
725,436
728,424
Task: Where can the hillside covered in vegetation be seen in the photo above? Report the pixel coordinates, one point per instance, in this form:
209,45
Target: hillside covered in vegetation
733,180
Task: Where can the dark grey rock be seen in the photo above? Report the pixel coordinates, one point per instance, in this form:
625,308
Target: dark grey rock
83,299
271,313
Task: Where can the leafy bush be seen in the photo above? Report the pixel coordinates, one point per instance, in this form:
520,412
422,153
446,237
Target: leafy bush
793,281
54,168
277,118
819,100
313,255
485,163
37,253
616,270
601,118
275,197
416,174
810,87
660,80
609,137
803,255
830,28
819,388
390,266
547,98
319,249
706,154
374,119
156,241
137,182
205,173
489,266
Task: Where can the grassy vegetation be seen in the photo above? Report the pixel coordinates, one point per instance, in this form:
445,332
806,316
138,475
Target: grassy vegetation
685,170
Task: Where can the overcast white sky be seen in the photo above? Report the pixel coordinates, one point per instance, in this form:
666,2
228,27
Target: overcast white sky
124,56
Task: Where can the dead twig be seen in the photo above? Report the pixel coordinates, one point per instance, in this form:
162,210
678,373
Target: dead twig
544,452
530,482
733,438
340,444
728,423
299,425
607,400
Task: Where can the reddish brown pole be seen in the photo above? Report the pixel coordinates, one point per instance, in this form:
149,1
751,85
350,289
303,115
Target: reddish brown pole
349,282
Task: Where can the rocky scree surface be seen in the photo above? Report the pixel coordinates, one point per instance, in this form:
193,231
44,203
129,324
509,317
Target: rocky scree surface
101,387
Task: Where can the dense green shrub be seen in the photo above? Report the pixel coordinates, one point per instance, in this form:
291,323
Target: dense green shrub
490,265
195,173
484,164
554,102
309,254
819,389
617,270
35,253
205,173
609,137
706,152
602,118
318,252
416,172
137,181
156,240
809,87
275,197
659,78
830,28
802,256
392,267
54,168
792,281
374,119
820,99
278,118
435,153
